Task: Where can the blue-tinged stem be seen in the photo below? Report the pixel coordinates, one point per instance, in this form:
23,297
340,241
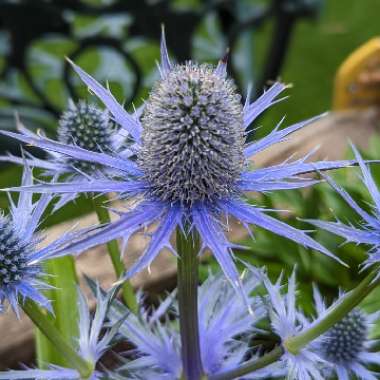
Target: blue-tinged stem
129,296
66,350
188,248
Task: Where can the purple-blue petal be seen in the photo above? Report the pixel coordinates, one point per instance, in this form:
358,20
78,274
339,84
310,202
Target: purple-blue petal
368,180
102,186
373,221
121,116
41,374
142,216
276,136
350,233
263,186
213,237
165,65
266,100
77,152
299,167
160,239
252,215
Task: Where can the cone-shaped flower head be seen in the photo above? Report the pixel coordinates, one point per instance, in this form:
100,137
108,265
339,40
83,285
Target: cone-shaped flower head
82,125
13,255
288,320
347,347
87,127
193,135
20,253
345,340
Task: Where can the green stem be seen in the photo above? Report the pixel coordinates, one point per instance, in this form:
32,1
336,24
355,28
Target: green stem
188,248
114,253
51,332
251,365
296,343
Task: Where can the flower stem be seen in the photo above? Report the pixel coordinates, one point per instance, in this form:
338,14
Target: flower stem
353,298
251,365
41,320
188,248
114,253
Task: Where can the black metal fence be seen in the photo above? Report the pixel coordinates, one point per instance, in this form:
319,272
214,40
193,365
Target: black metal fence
25,22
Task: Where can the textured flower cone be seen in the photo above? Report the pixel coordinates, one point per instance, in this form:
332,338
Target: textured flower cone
87,127
193,136
344,341
13,256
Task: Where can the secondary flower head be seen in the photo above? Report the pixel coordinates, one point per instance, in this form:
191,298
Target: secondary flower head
346,347
345,339
369,231
225,332
94,340
83,125
192,164
20,254
86,126
287,320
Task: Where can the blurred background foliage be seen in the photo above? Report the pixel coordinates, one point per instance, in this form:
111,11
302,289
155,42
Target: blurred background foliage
122,47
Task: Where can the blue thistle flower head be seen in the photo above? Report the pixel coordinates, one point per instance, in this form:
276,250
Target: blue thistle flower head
286,321
225,332
192,164
86,126
368,232
82,125
20,252
345,339
193,127
94,340
347,347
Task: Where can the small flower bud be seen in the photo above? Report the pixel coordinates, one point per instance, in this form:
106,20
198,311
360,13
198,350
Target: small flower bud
12,257
88,127
345,340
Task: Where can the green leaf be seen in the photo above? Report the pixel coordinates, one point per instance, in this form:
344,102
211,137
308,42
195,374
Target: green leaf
62,276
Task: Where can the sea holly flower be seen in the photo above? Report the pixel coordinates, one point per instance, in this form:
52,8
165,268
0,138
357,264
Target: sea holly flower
344,350
225,332
287,321
20,253
369,231
346,347
192,163
95,338
83,125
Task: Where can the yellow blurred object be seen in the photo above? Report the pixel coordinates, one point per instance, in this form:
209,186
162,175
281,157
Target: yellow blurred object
357,82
